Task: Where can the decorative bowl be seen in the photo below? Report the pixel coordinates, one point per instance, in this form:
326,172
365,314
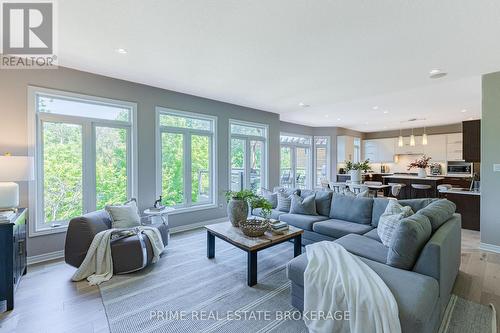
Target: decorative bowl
254,227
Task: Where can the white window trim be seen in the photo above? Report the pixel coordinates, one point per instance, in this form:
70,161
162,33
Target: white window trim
213,176
328,159
34,148
312,157
247,138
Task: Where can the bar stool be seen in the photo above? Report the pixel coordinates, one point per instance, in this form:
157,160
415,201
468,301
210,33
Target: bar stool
396,189
337,187
418,189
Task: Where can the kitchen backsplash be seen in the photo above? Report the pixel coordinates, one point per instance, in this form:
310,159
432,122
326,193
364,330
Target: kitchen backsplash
402,165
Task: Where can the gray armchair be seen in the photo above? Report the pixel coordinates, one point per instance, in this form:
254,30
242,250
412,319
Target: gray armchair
129,254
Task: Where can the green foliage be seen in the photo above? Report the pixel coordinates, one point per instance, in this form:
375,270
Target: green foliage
363,166
260,202
245,195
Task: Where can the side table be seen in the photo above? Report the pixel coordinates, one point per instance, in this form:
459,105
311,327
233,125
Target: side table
156,217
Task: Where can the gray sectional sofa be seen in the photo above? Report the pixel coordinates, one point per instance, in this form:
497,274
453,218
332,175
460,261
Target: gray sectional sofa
422,291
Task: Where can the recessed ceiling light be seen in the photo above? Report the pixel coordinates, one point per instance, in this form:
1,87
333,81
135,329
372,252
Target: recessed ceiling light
338,119
375,107
366,123
326,115
464,110
304,105
437,74
121,51
386,112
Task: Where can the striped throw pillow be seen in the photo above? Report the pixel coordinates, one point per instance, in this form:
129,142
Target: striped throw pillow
390,220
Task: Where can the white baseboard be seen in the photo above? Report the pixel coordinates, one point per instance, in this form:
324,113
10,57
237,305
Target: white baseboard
60,254
197,225
45,257
489,247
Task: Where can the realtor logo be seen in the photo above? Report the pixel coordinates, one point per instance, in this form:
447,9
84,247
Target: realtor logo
28,34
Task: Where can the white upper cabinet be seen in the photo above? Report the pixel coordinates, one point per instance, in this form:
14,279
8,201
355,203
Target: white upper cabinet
436,148
379,150
345,148
454,147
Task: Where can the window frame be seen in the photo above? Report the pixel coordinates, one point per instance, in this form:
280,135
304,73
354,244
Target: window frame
315,157
247,138
88,125
187,205
310,164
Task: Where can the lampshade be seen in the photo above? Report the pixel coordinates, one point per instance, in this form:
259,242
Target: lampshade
16,168
424,139
400,141
412,140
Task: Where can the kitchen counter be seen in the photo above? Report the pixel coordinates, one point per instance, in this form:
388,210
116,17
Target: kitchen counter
436,178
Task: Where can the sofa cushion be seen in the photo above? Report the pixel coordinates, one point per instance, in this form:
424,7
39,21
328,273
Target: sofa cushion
438,212
351,209
339,228
389,221
305,206
416,305
364,247
408,240
275,214
379,205
302,221
284,201
373,234
323,202
270,196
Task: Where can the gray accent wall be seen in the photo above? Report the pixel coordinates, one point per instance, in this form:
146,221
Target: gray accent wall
13,132
490,154
433,130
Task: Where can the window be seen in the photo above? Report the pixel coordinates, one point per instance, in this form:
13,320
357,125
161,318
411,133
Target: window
84,155
321,159
248,151
186,159
295,161
357,150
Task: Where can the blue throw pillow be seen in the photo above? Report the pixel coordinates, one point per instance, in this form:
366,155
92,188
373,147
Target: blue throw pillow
438,212
304,206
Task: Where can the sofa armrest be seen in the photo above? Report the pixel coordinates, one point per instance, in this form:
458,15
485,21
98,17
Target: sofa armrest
440,257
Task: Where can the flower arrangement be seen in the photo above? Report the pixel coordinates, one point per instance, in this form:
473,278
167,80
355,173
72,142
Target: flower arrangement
420,163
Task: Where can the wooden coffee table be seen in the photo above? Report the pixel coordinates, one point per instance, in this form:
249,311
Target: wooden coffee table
251,245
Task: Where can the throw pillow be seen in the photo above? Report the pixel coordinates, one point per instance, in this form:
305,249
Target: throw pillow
124,216
323,202
364,194
390,219
304,206
407,242
284,202
270,196
438,212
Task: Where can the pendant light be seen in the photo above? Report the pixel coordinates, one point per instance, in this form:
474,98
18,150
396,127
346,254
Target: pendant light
412,139
424,138
400,139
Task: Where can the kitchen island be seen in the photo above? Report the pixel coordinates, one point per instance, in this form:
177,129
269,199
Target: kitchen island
468,205
408,180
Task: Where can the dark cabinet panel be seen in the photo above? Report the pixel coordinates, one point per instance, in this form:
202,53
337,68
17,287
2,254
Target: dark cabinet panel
472,140
468,206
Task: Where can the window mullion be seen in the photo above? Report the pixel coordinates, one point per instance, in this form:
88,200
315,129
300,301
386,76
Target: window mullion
247,164
89,165
187,170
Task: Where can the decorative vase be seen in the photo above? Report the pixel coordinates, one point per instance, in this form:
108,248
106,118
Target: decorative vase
355,176
237,210
422,173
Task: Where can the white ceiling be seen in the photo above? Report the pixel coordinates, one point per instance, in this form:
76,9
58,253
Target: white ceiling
340,57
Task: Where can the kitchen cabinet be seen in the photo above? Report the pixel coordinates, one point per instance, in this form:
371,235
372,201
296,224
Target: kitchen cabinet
454,147
469,206
379,150
345,148
418,149
471,138
436,148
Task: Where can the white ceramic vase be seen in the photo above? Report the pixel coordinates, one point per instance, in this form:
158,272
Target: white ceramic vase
355,176
422,173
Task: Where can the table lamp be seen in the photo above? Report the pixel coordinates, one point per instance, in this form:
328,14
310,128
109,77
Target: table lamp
13,169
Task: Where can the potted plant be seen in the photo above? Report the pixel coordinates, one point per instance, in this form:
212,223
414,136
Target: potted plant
237,205
421,164
355,169
265,205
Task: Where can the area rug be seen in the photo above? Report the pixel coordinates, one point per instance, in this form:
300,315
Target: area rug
186,292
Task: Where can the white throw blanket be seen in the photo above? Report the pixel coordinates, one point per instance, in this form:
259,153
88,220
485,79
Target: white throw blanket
335,280
97,266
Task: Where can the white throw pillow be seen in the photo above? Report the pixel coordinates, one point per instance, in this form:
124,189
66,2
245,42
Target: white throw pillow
124,216
389,221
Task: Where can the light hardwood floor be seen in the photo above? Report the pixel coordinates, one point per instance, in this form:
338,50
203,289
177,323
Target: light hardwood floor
47,301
